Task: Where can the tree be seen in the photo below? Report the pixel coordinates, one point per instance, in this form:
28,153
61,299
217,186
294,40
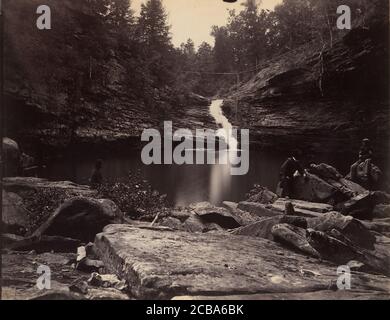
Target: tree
152,26
153,33
223,50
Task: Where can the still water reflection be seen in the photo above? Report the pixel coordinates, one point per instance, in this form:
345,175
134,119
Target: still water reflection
185,184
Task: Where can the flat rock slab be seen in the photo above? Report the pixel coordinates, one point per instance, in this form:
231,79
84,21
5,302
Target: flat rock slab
261,228
297,211
317,295
306,205
18,184
19,274
162,264
258,209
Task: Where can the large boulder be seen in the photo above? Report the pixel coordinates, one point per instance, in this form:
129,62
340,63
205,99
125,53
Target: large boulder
352,228
261,228
15,218
193,223
360,206
21,185
11,154
302,208
331,248
381,211
325,171
162,264
336,247
212,214
258,209
293,237
261,195
325,184
81,218
313,189
330,174
306,205
244,217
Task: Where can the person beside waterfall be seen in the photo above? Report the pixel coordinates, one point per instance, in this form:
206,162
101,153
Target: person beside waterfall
363,171
96,179
287,172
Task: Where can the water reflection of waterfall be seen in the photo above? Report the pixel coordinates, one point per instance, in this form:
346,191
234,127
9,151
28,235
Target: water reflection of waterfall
220,175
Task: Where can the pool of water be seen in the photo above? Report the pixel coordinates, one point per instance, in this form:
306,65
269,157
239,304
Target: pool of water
185,184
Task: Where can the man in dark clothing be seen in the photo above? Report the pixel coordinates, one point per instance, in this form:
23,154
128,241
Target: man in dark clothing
365,153
97,177
287,171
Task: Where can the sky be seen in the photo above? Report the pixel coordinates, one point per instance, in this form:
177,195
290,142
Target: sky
194,18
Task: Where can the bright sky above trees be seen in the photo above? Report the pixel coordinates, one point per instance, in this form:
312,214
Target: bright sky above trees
194,18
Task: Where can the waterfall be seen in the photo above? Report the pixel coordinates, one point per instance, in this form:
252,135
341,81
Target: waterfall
220,176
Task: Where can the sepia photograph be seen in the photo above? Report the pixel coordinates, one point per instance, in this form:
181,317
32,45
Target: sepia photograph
195,150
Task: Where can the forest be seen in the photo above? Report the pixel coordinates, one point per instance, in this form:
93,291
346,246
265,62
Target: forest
250,37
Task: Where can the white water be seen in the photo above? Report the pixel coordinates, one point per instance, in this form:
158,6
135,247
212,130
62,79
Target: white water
220,175
226,130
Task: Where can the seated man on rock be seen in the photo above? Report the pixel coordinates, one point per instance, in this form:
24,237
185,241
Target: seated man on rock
287,172
363,171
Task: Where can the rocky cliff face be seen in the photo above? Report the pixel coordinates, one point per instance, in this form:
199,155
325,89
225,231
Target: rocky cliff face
70,85
321,98
68,82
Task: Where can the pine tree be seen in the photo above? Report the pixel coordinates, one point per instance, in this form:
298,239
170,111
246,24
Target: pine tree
153,29
120,13
153,33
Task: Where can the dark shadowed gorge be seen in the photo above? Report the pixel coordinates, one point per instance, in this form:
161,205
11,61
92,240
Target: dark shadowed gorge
79,198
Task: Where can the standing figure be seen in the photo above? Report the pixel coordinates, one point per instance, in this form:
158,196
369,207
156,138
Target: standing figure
97,177
287,172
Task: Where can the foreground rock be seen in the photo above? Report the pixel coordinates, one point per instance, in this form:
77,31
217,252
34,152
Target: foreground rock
19,275
40,244
295,237
325,184
20,185
261,228
382,211
19,279
352,228
14,216
11,157
258,209
280,204
317,295
313,189
262,195
81,218
212,214
330,174
161,264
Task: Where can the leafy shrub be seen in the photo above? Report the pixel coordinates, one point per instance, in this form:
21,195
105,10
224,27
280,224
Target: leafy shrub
41,204
135,197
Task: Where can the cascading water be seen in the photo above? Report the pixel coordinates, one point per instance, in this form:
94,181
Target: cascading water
220,176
